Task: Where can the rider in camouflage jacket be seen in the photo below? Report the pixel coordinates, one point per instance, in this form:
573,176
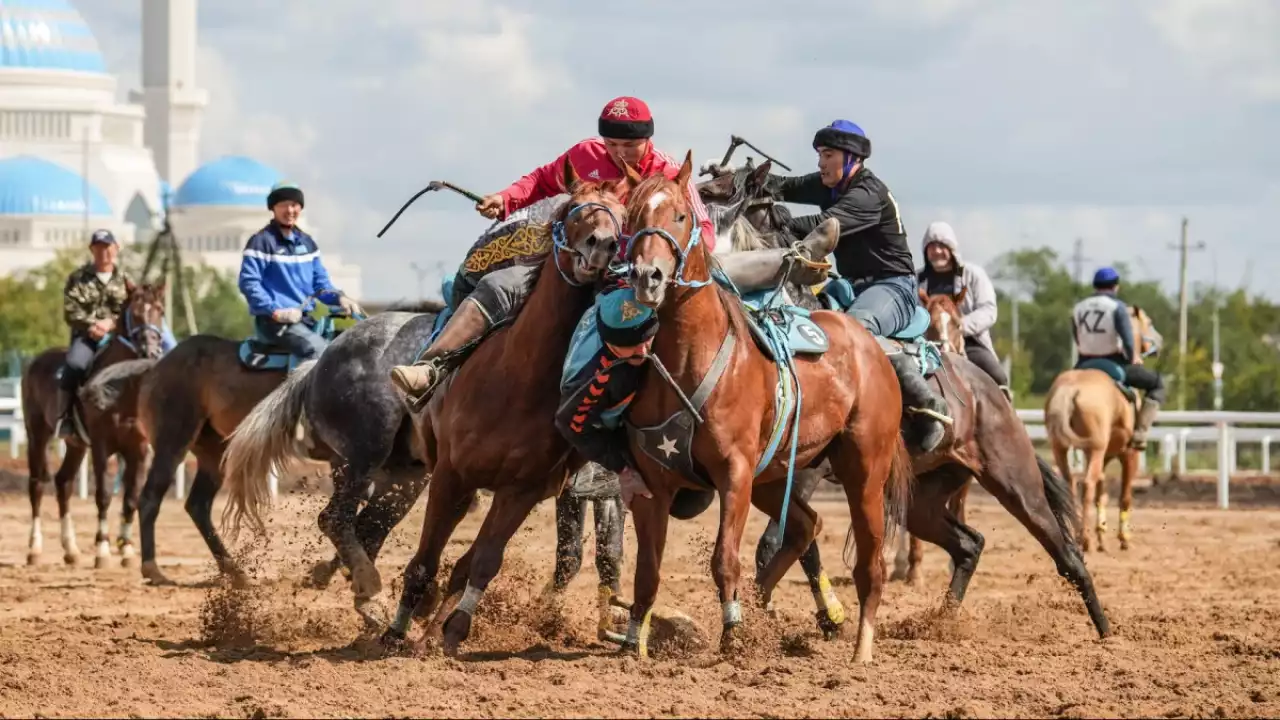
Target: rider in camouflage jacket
87,299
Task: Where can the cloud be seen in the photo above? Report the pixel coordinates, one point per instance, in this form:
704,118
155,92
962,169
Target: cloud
1023,123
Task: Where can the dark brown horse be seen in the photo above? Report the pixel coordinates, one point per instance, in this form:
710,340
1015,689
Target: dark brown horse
490,425
139,335
850,416
190,402
946,330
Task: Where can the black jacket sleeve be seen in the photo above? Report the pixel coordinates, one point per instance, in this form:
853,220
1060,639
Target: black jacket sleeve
857,210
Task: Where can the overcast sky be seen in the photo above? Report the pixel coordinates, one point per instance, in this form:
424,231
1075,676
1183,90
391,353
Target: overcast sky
1021,123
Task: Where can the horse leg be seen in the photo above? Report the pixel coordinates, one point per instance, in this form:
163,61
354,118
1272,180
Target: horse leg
174,436
1044,506
102,497
1128,470
803,526
199,507
1095,460
865,476
62,484
447,504
650,516
932,519
726,569
393,496
610,518
1100,506
37,476
511,507
133,459
337,521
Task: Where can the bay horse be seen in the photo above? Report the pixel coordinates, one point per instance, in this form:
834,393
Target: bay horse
853,421
190,402
1087,409
990,445
946,330
138,334
474,437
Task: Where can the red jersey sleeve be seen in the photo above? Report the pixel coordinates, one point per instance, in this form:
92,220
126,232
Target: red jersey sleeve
544,182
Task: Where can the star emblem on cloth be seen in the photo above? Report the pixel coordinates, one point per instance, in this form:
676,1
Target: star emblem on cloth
668,446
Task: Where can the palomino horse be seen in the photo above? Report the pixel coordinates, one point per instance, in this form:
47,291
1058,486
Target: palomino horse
190,402
944,329
352,409
1087,409
139,334
853,420
1006,466
477,438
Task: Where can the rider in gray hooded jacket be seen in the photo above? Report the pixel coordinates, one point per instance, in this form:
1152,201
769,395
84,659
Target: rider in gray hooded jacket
945,273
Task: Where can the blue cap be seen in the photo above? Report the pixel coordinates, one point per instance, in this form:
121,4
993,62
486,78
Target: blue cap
103,236
1106,276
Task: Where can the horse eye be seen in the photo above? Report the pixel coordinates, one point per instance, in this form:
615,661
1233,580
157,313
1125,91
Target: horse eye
591,241
680,218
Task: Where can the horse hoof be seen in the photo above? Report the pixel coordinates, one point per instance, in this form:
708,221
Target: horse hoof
730,641
392,639
898,575
320,576
365,580
100,562
456,629
630,648
831,630
33,559
128,561
151,573
373,612
70,559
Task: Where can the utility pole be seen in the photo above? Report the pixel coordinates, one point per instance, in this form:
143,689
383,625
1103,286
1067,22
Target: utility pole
1078,260
1183,248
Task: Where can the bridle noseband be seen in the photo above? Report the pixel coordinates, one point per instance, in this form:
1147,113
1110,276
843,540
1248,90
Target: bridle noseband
561,243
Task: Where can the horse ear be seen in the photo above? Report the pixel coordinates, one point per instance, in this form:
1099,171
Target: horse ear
633,175
959,297
924,296
759,177
570,175
686,170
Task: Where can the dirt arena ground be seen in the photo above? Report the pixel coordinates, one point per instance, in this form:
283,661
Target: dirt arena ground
1194,606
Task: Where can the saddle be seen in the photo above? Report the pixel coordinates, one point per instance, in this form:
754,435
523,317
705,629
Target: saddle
261,353
1115,371
838,295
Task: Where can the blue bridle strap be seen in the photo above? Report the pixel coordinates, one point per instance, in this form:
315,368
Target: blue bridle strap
681,253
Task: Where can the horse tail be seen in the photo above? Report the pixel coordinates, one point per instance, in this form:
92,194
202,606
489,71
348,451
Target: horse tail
1057,418
897,493
263,442
1060,501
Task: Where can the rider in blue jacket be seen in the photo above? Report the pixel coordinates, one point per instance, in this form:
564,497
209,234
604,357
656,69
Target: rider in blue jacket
280,273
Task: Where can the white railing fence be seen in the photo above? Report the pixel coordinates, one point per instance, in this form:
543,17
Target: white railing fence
1172,433
11,420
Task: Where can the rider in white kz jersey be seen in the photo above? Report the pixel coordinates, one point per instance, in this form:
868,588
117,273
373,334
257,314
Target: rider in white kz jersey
1103,330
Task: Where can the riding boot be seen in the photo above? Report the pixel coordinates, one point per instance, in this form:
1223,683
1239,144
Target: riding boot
66,426
418,379
932,413
753,270
1143,424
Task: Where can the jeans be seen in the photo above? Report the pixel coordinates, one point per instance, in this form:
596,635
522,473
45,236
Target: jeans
986,360
79,357
885,306
298,338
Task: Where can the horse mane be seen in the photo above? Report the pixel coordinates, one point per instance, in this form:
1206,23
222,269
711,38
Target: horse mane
582,187
104,389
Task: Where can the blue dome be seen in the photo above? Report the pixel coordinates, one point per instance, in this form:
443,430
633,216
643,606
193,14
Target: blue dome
31,186
230,180
46,35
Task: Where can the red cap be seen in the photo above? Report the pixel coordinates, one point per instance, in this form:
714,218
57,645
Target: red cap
626,118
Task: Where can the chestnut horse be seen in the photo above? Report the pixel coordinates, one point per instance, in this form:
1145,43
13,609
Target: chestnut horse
1088,410
849,415
139,333
489,426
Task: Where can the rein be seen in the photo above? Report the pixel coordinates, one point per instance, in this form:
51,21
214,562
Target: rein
129,337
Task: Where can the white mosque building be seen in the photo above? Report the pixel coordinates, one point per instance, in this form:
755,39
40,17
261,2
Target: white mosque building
73,158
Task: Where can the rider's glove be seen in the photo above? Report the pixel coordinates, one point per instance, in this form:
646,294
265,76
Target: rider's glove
287,316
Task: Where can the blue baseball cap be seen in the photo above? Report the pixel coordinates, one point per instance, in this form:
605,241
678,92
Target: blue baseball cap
102,236
1106,277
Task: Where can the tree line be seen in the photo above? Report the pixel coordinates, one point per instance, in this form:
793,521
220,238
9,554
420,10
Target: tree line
31,321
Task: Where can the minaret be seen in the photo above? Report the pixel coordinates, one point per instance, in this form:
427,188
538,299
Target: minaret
173,103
